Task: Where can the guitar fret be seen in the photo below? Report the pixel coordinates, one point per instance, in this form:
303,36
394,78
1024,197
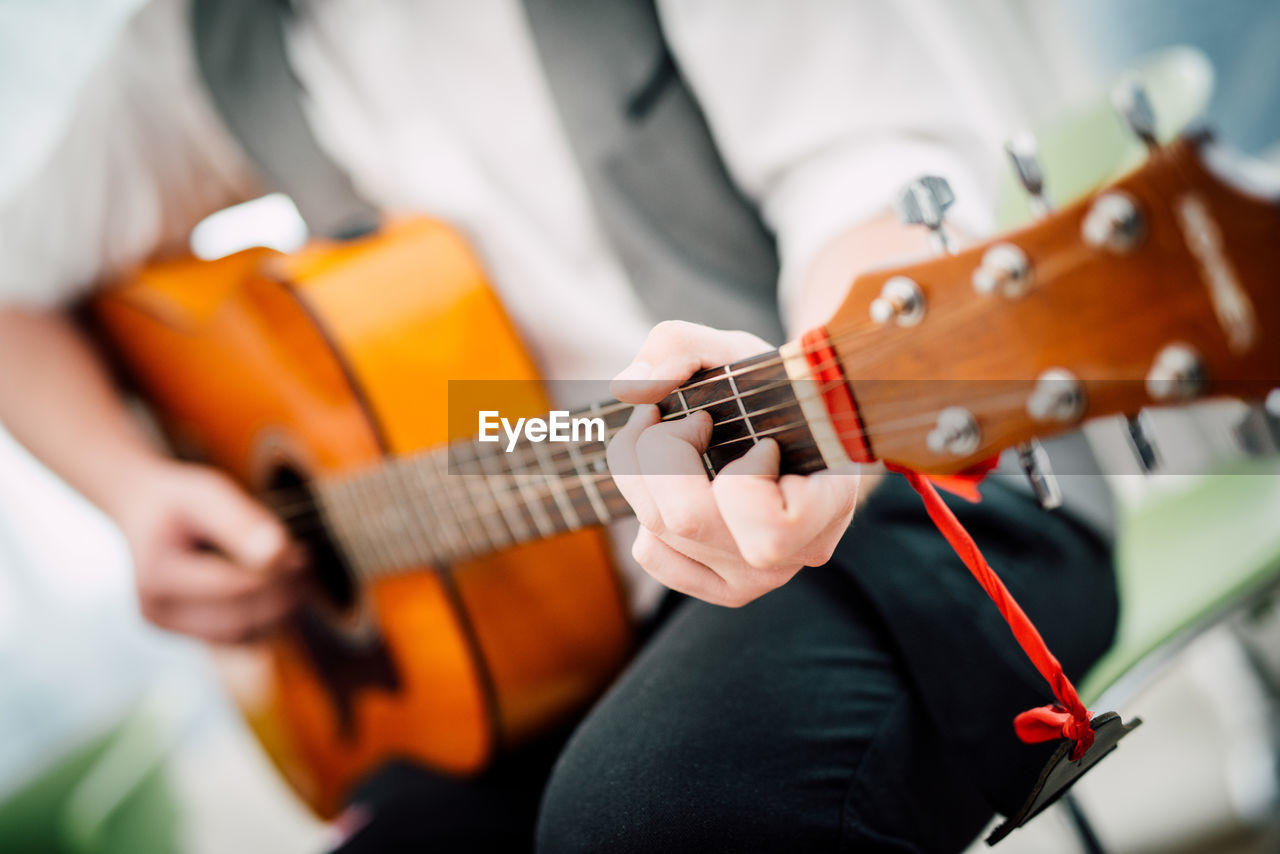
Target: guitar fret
503,494
369,512
402,543
339,510
493,517
397,521
706,460
418,513
541,520
742,407
426,529
589,487
558,493
455,548
466,524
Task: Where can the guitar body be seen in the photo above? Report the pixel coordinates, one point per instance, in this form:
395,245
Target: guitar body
280,368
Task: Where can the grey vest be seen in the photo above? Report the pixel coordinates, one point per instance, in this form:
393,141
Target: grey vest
692,246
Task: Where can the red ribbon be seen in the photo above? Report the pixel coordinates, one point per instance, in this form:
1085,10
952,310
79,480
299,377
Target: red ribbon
1068,718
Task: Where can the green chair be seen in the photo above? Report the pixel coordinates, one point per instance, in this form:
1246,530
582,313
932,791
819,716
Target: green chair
1185,561
108,795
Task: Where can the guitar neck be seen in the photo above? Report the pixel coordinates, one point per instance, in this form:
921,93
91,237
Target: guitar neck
471,498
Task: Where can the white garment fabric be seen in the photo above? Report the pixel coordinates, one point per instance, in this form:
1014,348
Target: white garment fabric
822,109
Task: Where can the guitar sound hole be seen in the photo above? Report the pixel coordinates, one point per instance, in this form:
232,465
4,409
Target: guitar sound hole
330,572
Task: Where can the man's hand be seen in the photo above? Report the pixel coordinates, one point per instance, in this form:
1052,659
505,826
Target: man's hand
733,539
209,560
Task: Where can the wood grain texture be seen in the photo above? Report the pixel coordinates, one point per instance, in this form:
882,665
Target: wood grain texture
1100,314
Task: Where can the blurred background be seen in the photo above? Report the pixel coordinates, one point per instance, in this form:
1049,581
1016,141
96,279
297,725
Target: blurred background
117,737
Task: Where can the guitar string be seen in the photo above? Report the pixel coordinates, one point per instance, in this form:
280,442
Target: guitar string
617,406
883,429
856,329
523,456
535,476
489,508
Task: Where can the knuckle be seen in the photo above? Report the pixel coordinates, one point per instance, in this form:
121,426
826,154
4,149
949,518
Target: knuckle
671,330
648,441
686,522
746,340
642,550
820,554
738,597
649,518
767,550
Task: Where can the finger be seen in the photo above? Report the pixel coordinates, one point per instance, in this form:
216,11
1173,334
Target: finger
672,353
625,470
773,521
669,455
226,621
240,527
684,574
839,492
201,576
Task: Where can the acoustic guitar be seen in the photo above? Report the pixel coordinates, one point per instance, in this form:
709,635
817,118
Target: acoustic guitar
465,598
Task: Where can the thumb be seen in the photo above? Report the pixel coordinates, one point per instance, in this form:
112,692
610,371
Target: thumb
236,525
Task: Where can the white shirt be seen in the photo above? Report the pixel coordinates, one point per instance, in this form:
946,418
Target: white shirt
822,110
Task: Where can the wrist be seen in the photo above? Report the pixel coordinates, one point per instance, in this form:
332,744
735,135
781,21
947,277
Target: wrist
116,477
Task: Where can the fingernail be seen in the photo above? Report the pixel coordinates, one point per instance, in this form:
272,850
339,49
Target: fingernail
635,372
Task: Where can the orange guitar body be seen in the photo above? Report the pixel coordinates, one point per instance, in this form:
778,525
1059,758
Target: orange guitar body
271,366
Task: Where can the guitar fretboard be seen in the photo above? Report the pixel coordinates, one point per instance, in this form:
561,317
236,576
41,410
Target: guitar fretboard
470,498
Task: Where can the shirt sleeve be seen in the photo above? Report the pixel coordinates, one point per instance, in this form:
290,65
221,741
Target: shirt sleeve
140,159
824,109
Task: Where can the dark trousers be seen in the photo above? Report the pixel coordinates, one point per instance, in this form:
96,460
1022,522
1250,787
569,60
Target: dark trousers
865,706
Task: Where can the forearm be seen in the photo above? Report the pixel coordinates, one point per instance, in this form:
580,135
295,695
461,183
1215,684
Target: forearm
58,400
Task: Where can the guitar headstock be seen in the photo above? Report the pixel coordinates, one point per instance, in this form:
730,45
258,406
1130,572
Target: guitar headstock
1159,289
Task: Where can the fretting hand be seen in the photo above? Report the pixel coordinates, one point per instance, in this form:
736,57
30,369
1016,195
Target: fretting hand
733,539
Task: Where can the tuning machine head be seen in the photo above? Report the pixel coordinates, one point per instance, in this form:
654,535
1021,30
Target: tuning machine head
901,301
1034,461
1024,154
1176,374
1130,100
1114,222
924,202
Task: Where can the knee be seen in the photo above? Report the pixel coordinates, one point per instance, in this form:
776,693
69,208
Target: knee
586,807
610,792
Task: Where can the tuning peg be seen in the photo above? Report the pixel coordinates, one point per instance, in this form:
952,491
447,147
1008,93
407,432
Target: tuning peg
1258,431
924,202
1131,101
1024,154
1035,465
1177,373
1144,447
